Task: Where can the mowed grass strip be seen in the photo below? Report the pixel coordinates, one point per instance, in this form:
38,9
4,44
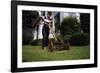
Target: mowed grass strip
35,53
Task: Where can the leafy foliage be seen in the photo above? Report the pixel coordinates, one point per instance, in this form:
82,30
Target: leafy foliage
85,22
70,25
28,17
79,39
27,38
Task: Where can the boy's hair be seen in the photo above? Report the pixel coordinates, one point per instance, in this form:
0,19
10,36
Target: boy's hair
49,12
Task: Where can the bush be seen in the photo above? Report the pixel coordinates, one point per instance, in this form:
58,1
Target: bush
67,37
85,22
59,37
27,39
77,39
34,42
69,25
28,18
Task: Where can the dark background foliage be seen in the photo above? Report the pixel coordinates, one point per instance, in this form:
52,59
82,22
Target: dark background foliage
85,22
70,25
28,18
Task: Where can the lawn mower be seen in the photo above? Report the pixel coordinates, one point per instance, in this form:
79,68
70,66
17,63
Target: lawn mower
57,45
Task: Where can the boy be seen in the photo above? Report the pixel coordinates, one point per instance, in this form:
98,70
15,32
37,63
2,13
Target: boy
48,20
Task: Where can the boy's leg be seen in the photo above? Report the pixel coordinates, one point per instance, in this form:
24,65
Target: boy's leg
45,32
47,36
44,40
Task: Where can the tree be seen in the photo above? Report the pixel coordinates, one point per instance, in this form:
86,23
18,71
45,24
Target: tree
69,26
28,18
85,22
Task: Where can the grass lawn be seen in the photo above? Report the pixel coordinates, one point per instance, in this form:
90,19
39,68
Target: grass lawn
35,53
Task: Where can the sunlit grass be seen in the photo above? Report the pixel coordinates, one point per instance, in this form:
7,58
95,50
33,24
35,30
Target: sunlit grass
35,53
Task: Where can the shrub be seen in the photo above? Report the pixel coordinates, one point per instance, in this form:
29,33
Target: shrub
28,17
34,42
85,22
67,37
59,37
79,39
69,25
27,38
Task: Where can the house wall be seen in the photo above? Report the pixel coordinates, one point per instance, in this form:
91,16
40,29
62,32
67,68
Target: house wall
63,15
